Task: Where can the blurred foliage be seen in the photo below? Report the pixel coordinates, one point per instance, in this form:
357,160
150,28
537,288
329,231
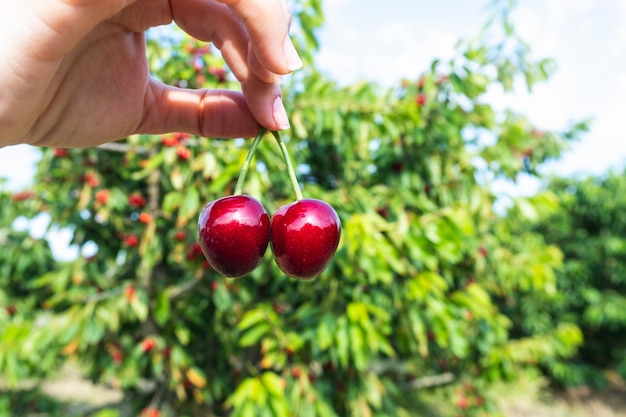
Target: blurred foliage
417,295
589,226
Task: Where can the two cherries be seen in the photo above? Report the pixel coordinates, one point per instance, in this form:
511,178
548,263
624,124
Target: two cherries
234,231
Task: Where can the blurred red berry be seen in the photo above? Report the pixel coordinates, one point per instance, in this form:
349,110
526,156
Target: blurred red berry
102,196
180,236
136,200
147,345
181,136
11,310
131,241
183,152
167,352
194,252
23,196
219,73
420,100
61,153
145,218
169,141
92,180
117,356
129,292
463,403
150,412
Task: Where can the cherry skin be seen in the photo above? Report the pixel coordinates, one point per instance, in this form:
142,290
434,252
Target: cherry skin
234,232
305,236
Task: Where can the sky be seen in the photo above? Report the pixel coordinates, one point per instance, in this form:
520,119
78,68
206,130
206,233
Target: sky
586,38
387,41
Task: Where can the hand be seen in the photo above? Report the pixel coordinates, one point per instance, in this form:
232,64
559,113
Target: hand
74,73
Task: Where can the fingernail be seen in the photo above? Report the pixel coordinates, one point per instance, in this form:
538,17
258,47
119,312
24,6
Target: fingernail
291,56
280,115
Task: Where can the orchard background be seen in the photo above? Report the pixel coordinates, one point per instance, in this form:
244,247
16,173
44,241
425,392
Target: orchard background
439,284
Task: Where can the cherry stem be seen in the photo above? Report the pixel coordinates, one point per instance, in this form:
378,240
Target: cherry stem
246,165
292,173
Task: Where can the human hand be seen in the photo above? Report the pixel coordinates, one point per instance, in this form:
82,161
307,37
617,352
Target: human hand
74,73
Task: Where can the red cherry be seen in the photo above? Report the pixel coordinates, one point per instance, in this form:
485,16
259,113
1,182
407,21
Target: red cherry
92,180
117,356
145,217
234,232
219,73
420,100
61,153
463,403
147,345
131,241
23,196
102,196
129,292
150,412
183,152
169,141
136,200
305,236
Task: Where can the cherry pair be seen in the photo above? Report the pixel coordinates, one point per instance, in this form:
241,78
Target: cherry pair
234,233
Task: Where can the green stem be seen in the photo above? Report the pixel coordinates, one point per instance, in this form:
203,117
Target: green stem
290,170
246,165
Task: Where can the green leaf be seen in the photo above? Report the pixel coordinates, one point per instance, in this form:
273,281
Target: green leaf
140,308
273,383
190,206
324,334
183,334
162,308
254,334
251,318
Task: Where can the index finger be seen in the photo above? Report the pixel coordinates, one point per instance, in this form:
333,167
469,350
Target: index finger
267,23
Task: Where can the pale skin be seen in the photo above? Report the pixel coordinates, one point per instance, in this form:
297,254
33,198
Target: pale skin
73,73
